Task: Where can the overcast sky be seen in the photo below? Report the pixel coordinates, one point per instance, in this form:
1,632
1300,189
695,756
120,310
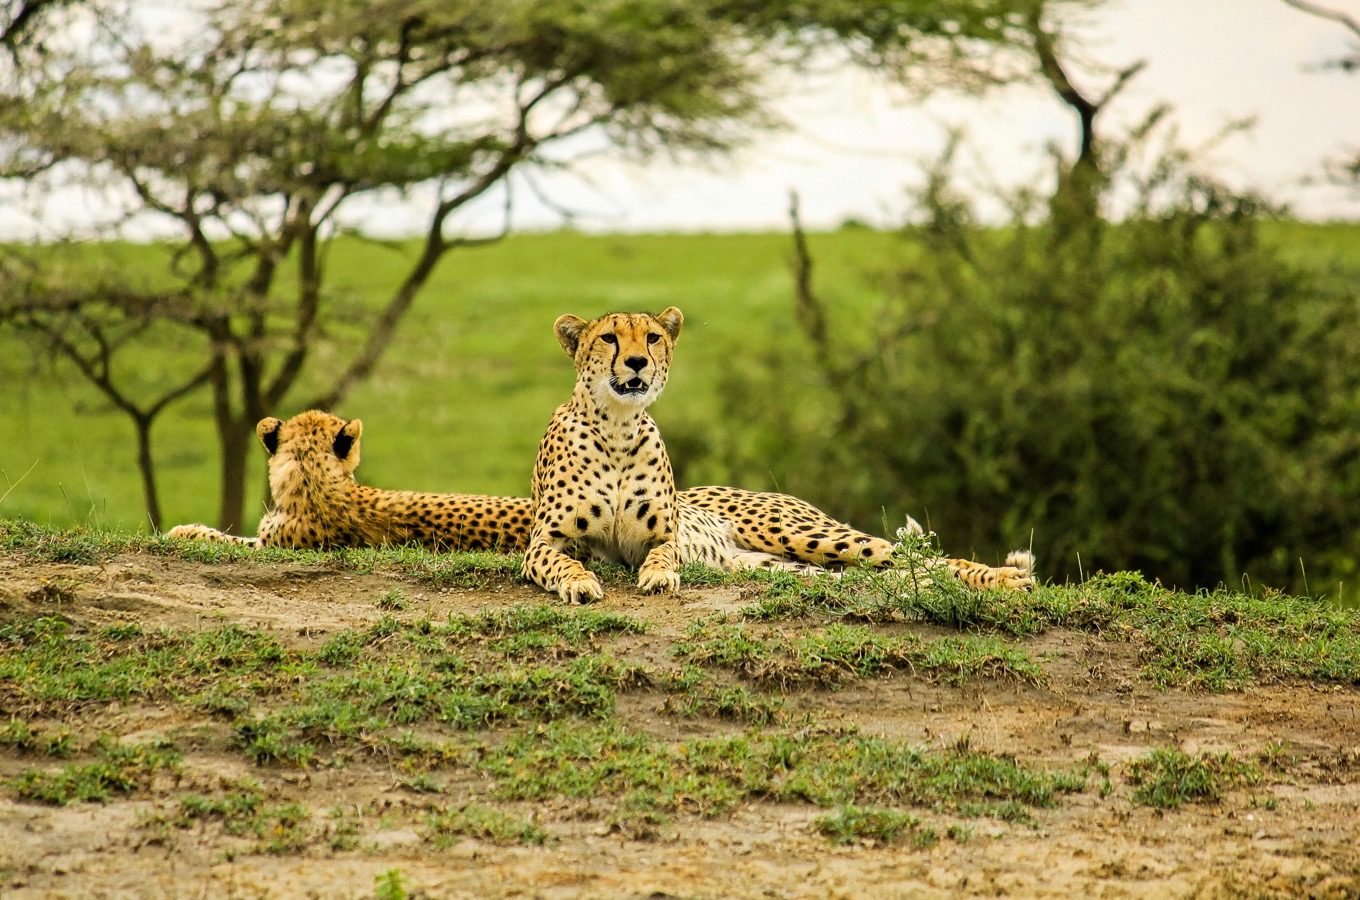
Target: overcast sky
853,143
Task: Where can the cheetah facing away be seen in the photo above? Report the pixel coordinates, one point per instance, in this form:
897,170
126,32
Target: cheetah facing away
318,504
603,486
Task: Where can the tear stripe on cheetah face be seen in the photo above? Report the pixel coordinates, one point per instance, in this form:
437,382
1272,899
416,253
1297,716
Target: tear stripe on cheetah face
602,483
317,502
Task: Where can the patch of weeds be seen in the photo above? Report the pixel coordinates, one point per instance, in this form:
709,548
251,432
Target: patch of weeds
708,777
120,769
696,574
270,742
421,783
520,628
842,652
342,649
394,600
585,687
853,824
1276,757
481,822
639,816
451,570
1167,777
57,666
1217,640
242,811
123,631
342,833
733,703
389,886
959,833
16,734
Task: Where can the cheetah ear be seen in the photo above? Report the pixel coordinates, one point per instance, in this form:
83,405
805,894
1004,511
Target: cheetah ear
347,437
268,431
569,330
671,319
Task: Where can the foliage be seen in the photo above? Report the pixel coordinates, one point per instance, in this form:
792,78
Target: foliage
120,769
1167,777
885,826
486,823
1171,394
253,138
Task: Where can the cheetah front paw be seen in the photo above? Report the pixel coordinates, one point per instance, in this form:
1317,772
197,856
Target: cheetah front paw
657,581
582,588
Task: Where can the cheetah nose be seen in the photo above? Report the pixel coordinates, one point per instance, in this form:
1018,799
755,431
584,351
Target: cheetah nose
636,363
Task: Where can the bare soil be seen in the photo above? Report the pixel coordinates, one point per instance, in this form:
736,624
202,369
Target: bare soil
1297,833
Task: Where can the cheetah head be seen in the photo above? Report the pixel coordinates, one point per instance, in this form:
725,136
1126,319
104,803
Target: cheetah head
312,445
622,359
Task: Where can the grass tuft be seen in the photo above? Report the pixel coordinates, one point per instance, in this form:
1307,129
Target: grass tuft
853,824
484,823
1167,777
120,769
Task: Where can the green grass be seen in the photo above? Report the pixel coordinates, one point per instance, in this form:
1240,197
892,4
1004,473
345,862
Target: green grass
843,652
1167,778
483,822
711,776
244,810
1217,640
119,769
480,333
853,824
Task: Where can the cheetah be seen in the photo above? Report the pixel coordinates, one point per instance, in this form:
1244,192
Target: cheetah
603,486
318,504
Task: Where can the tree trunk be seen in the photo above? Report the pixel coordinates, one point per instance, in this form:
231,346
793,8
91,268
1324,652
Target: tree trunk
148,470
234,445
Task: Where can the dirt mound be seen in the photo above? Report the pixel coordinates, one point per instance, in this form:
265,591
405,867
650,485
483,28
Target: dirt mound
360,822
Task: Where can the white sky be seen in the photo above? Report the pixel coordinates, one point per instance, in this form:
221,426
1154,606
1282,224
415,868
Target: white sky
854,144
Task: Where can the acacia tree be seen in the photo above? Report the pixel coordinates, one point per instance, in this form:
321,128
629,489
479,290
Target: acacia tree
252,134
257,125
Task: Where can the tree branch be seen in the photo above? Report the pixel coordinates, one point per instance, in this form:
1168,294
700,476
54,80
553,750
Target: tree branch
1322,12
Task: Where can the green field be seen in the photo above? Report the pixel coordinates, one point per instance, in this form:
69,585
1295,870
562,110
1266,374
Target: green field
464,392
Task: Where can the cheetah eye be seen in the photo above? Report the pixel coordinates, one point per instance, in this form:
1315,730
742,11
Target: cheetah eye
653,337
609,339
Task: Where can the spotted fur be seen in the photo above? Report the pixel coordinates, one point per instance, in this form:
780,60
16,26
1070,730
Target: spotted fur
603,486
317,502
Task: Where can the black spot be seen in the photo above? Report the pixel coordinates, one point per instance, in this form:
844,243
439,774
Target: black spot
867,551
595,511
643,508
651,523
812,545
581,523
842,546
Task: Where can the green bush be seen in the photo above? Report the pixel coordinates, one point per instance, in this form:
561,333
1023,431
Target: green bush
1169,393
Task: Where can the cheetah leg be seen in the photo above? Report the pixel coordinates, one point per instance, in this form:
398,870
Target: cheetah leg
204,533
1016,575
755,559
658,571
549,567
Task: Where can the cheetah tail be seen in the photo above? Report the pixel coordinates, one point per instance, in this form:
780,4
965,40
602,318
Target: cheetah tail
1022,560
